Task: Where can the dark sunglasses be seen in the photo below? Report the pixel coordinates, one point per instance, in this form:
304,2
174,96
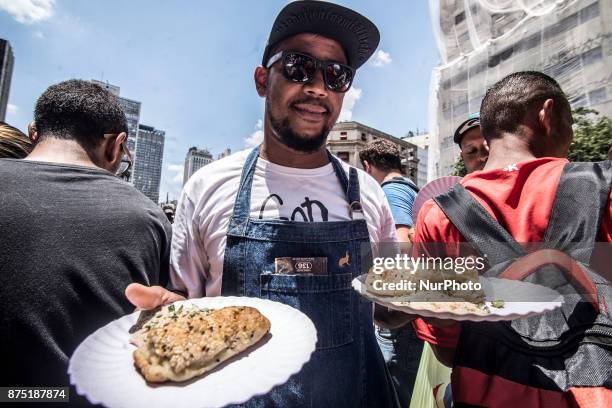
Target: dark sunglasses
301,68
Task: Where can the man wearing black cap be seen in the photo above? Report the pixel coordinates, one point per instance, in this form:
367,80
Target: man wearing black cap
474,148
241,220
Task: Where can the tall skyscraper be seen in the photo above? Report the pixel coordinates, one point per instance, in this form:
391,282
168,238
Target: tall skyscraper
6,73
132,113
480,42
146,175
195,160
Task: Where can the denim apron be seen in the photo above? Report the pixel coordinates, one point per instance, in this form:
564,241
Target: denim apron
347,368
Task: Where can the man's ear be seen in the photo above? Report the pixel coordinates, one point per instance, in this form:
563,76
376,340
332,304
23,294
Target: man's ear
545,116
33,133
113,152
261,81
366,166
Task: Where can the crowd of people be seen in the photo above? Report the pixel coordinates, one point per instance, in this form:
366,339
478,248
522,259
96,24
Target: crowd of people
81,247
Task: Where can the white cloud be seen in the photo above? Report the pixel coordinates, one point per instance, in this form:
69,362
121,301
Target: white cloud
350,99
39,34
11,109
257,136
381,59
28,11
177,169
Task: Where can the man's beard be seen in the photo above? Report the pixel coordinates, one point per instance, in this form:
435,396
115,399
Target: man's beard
295,141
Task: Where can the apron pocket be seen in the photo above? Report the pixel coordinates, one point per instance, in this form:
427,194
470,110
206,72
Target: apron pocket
326,300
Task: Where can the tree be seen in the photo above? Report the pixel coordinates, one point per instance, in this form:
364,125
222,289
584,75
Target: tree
459,167
592,136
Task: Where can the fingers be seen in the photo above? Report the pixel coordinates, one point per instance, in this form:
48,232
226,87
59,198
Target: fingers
150,297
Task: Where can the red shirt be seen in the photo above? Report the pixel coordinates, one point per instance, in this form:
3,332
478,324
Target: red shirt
519,197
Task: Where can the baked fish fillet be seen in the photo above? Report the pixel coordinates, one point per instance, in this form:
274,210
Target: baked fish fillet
176,345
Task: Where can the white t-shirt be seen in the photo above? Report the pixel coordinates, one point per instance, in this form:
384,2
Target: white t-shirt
207,202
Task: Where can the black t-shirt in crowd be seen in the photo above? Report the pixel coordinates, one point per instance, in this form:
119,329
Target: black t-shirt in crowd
71,239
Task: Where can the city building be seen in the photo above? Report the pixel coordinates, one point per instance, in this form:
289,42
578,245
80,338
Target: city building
195,160
146,175
6,72
421,140
480,42
132,113
225,153
346,140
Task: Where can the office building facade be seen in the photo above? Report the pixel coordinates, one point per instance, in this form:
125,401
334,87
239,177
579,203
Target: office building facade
7,60
146,174
480,42
421,141
195,160
347,139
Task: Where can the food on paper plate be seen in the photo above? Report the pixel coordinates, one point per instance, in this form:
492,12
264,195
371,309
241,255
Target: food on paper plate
416,283
180,343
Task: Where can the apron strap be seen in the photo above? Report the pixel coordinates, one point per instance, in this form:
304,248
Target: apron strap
242,205
350,186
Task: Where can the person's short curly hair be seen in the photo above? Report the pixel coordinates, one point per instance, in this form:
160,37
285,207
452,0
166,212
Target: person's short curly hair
382,154
78,110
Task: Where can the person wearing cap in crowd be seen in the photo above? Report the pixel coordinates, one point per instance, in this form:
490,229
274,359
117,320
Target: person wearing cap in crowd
401,348
289,197
474,148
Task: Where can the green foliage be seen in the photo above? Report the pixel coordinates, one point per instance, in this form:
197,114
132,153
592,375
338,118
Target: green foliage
592,136
459,168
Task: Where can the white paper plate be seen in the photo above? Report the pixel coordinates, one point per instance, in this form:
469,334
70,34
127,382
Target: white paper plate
102,367
515,294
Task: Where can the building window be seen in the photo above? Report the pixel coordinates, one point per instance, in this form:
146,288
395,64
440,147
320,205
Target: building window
343,136
364,137
344,156
459,18
592,55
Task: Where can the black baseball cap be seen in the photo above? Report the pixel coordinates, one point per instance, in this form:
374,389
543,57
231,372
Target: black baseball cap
472,122
357,35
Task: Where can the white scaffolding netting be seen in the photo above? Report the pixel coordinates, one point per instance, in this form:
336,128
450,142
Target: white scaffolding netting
481,41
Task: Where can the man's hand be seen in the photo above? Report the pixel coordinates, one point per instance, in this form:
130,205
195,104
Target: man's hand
150,297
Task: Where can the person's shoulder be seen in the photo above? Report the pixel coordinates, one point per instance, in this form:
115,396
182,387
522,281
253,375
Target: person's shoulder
132,200
397,187
430,210
430,215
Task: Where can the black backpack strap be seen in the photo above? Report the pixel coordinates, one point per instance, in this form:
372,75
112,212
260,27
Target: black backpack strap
577,211
477,226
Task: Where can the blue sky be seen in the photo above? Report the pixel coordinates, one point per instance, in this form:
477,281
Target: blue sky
191,65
